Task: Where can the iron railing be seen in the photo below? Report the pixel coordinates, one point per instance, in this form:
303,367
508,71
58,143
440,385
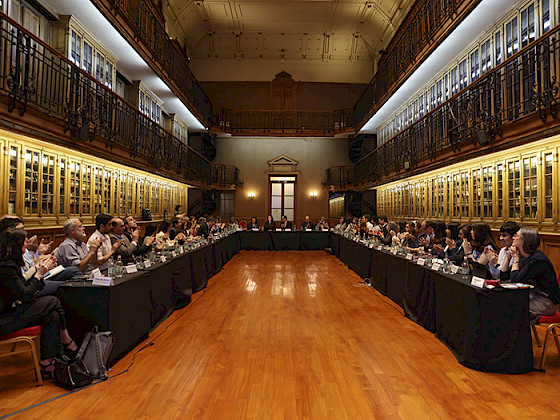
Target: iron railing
340,176
420,29
32,74
525,84
150,31
225,175
297,122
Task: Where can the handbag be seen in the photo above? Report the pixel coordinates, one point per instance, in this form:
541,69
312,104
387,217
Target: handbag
95,351
71,373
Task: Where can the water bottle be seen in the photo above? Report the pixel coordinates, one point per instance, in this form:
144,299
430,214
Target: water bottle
446,264
119,267
465,268
111,268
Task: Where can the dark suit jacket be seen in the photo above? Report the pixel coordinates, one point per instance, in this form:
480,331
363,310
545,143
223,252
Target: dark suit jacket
307,225
203,231
127,248
288,225
141,248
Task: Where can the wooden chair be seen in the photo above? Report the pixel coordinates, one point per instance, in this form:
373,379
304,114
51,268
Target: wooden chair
28,337
553,322
243,224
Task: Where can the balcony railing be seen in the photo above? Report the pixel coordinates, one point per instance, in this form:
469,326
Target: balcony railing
340,176
33,75
291,122
420,29
225,175
148,29
525,84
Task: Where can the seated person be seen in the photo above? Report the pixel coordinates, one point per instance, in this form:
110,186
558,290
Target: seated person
322,224
145,244
127,248
253,224
269,224
285,224
341,225
482,243
531,266
352,226
30,309
438,242
163,239
106,250
232,224
408,236
307,224
455,249
73,251
507,230
214,226
202,230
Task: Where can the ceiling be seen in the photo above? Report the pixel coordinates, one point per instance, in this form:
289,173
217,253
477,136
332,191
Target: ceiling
315,40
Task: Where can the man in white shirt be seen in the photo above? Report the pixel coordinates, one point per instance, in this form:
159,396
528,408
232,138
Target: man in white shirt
105,250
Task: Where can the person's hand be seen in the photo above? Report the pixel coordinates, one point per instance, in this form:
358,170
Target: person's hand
95,244
424,241
116,246
44,247
438,248
41,259
491,255
451,244
513,252
149,240
467,247
166,236
46,265
135,235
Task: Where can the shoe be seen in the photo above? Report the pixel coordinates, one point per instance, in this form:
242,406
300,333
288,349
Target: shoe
47,371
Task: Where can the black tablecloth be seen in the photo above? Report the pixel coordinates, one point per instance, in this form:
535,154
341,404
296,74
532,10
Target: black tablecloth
485,329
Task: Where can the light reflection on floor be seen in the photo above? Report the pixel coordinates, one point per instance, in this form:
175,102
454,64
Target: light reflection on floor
283,285
250,285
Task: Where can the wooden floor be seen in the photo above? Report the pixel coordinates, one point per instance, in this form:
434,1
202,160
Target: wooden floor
290,335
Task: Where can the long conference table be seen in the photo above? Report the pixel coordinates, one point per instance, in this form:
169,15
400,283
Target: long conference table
485,329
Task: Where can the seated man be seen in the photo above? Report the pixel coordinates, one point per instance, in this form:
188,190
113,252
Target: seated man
127,247
106,250
202,229
307,225
144,245
285,224
73,251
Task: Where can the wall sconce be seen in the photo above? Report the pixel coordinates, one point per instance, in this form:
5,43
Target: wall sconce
313,194
251,195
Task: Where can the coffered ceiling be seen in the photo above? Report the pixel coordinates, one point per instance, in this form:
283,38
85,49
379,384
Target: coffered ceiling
325,38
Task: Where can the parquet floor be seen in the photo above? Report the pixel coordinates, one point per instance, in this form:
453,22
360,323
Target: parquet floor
290,335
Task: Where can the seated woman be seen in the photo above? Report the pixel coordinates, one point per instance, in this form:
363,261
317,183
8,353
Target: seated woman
19,306
455,246
392,238
322,224
352,225
253,224
482,240
269,224
341,224
530,265
408,236
437,243
162,236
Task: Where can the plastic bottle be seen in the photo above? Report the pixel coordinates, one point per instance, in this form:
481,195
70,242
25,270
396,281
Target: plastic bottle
465,268
119,267
111,268
446,264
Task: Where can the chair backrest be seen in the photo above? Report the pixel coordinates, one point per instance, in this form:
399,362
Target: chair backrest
243,224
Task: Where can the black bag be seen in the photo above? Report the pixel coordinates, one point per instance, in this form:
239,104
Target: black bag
95,351
71,373
146,215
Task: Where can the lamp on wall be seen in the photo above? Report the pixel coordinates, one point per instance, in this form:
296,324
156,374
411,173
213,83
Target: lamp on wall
251,195
313,194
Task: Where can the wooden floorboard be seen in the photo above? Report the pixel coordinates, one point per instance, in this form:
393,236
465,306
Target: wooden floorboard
290,335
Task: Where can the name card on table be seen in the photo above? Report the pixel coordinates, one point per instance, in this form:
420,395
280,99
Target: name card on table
131,268
436,266
147,264
379,247
454,269
421,261
394,251
55,271
287,230
255,230
163,259
102,281
371,246
96,272
173,254
278,230
409,257
477,281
